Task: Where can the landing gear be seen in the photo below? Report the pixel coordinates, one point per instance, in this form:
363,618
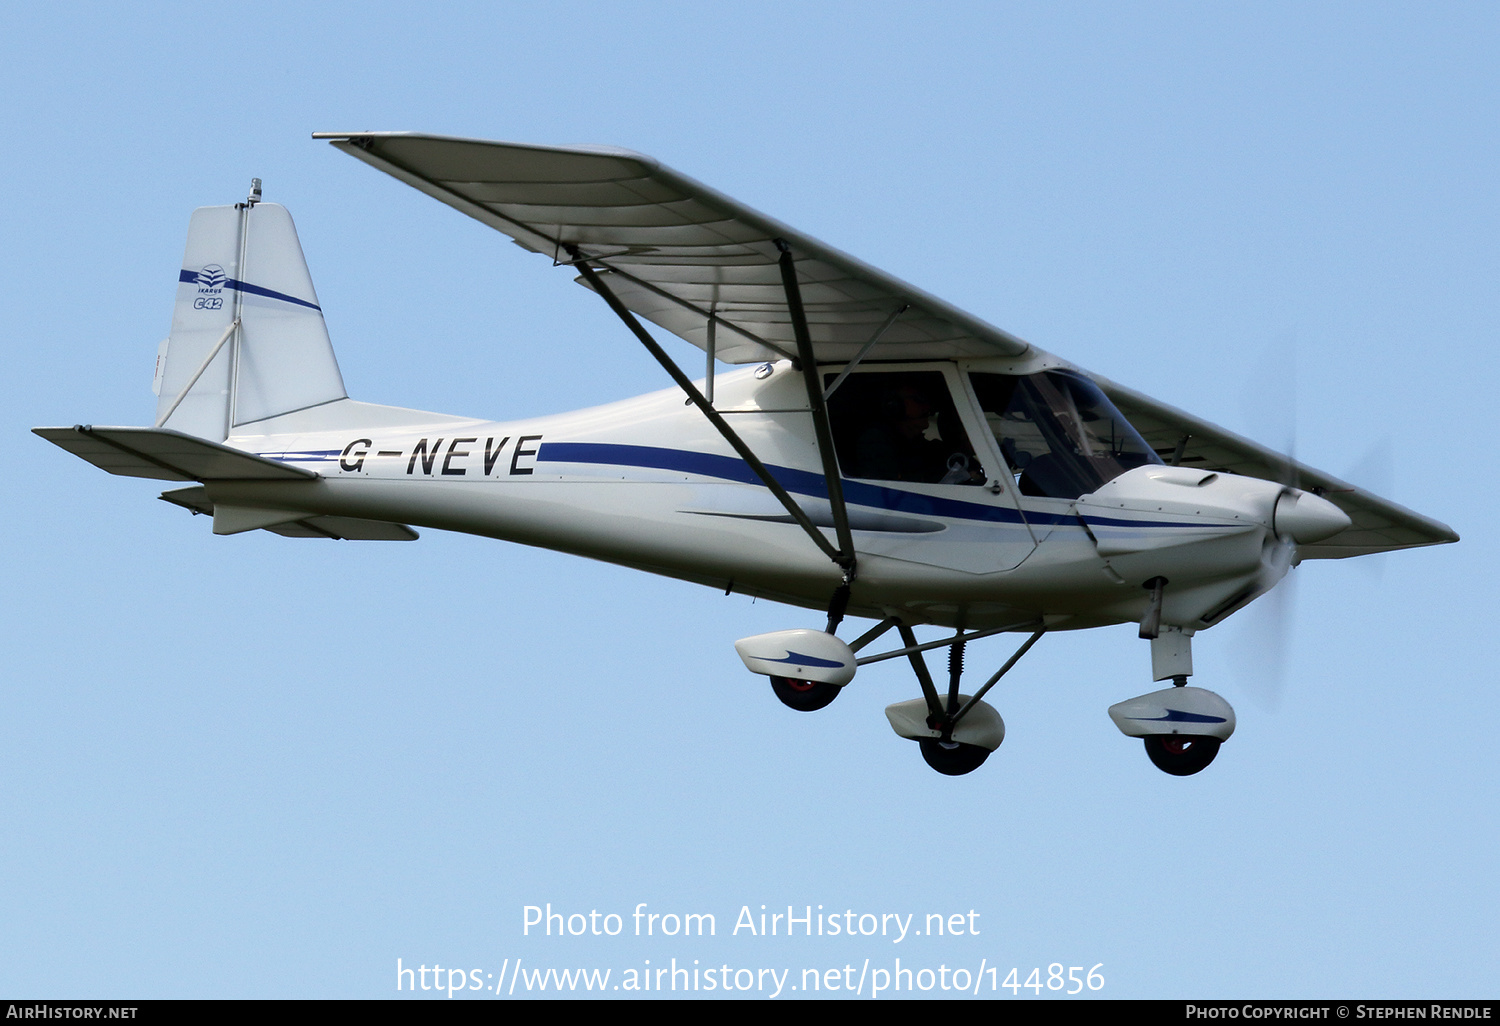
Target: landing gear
804,695
1181,755
953,758
1161,718
807,668
956,732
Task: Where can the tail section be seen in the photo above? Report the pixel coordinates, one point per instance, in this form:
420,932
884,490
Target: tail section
248,340
248,350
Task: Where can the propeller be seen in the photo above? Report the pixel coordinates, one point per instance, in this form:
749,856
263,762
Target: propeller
1262,636
1264,632
1376,472
1263,640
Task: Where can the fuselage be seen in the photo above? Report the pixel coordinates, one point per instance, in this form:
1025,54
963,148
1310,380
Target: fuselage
649,483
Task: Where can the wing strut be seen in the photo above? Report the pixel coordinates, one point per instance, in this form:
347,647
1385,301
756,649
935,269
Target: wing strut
697,398
831,478
865,350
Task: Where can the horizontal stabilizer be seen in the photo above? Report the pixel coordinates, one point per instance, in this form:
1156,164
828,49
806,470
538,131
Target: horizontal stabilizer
338,528
166,455
345,529
239,519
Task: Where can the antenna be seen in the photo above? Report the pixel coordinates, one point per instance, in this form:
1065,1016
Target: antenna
254,193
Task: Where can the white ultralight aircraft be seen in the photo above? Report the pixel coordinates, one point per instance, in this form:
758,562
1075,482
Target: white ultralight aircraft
887,455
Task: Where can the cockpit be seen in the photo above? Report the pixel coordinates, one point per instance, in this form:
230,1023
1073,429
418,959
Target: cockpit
1058,434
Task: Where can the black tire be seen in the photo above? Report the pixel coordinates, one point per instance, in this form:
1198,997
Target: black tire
1181,755
804,695
954,758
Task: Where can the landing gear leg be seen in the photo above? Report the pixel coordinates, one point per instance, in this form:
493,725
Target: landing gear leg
944,754
812,695
837,606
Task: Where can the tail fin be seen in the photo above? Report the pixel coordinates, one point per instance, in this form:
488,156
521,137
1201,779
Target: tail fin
248,339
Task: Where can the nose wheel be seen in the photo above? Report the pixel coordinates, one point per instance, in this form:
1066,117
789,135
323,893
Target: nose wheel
1181,755
804,695
1182,726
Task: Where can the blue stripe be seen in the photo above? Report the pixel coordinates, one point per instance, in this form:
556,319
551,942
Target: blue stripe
304,456
798,659
798,482
802,482
191,277
1178,716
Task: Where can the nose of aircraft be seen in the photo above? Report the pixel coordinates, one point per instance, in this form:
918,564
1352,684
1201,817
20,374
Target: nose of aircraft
1306,518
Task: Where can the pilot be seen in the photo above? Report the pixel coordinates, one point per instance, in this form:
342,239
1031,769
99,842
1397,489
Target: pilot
906,444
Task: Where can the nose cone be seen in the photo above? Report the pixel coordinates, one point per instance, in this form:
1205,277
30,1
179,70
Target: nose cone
1306,518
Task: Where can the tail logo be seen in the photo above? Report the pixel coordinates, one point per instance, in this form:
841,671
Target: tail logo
212,279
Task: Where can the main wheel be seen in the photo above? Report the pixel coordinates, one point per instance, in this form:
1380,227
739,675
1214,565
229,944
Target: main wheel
953,758
1181,755
804,695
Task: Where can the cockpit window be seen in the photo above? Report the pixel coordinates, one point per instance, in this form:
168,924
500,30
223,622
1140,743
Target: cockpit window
1060,435
901,426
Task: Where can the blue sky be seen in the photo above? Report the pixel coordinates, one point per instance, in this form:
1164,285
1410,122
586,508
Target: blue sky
254,766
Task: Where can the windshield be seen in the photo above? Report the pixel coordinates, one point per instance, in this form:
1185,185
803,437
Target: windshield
1060,435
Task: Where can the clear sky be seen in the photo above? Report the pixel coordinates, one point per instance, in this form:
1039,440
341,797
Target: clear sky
256,766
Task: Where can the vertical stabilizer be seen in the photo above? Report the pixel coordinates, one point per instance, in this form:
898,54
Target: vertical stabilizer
248,339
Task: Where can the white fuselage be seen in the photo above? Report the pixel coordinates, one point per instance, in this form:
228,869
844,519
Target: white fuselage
649,483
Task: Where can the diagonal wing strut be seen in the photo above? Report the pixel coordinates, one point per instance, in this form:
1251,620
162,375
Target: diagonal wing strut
843,555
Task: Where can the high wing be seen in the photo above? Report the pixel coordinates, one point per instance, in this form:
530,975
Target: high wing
678,251
685,256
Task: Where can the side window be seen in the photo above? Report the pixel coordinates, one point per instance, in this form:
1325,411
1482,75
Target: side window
901,426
